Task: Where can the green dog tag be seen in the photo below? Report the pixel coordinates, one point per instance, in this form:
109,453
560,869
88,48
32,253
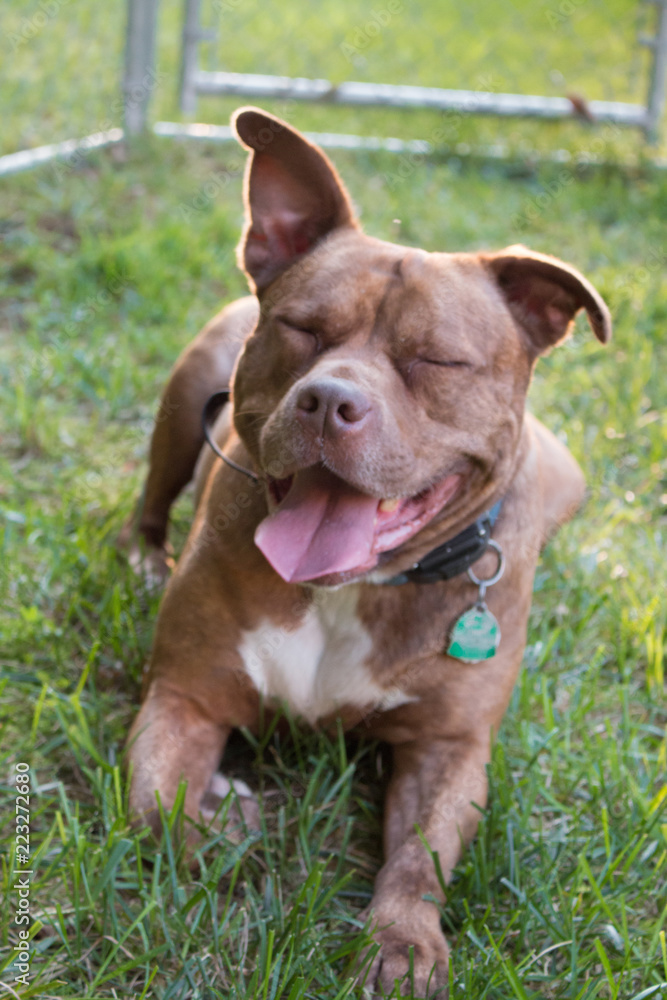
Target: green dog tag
475,635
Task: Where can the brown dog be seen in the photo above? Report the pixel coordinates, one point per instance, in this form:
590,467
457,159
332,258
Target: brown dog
378,402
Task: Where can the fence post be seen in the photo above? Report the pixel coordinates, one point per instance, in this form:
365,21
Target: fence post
192,35
655,104
139,75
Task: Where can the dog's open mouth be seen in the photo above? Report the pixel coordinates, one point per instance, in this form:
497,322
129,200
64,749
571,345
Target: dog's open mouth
322,525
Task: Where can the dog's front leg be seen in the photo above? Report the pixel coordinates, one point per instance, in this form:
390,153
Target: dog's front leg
174,740
439,787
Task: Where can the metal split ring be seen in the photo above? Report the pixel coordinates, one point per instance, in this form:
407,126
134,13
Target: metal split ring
483,584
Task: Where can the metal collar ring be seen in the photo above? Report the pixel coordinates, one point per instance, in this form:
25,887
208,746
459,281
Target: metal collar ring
489,581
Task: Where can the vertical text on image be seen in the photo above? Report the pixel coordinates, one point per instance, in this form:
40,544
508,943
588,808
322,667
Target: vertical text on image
22,873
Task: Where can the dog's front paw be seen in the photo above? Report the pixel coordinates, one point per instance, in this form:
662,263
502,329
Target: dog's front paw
413,952
238,813
153,565
147,552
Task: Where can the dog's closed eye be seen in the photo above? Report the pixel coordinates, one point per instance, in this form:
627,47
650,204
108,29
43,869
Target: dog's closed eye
445,364
305,331
409,367
293,324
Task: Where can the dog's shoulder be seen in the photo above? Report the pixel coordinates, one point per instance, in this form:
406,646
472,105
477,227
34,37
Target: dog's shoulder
221,339
560,481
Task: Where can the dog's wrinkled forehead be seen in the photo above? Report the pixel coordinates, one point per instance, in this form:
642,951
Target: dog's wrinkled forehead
352,284
343,281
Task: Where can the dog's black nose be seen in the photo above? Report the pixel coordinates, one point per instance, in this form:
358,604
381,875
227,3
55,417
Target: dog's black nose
332,406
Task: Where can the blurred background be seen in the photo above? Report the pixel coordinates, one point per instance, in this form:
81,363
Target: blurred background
63,61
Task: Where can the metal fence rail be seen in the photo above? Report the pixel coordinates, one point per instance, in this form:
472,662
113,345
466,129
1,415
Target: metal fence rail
625,71
196,81
399,96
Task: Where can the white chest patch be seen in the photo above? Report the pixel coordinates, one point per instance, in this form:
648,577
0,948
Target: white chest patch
320,665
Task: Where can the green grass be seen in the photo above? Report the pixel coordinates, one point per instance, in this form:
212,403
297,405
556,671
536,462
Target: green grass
106,271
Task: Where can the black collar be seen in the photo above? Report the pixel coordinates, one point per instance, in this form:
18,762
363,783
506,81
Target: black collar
453,557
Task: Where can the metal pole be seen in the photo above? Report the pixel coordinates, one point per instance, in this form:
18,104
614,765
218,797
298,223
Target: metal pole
192,35
656,93
71,151
391,95
139,78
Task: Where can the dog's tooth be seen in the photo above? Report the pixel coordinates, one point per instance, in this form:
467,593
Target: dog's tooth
389,506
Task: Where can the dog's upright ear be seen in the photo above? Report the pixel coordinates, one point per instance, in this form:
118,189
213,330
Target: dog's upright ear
293,196
544,295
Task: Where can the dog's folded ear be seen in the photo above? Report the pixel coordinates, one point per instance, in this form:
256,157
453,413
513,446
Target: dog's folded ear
544,294
293,196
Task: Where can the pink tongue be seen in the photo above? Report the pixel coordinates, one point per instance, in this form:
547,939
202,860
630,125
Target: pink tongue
322,526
